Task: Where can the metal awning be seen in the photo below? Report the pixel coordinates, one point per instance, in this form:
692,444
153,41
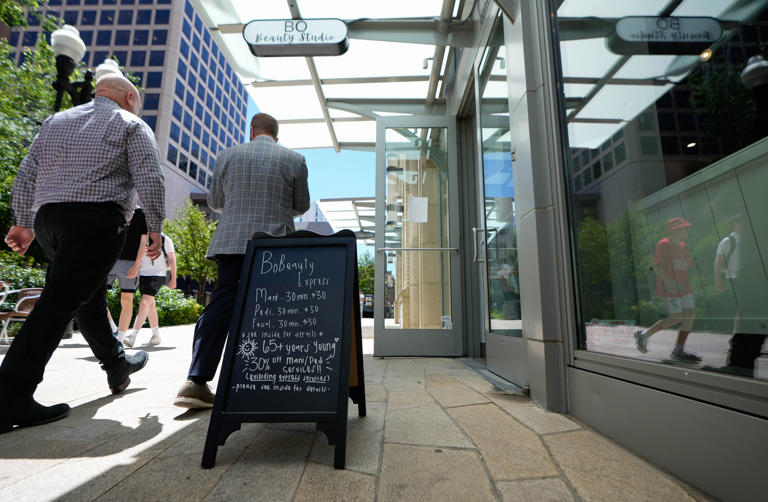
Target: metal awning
393,66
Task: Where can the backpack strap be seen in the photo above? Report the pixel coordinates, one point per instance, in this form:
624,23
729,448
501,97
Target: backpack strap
162,246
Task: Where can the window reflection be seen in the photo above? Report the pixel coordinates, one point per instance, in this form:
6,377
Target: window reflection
668,151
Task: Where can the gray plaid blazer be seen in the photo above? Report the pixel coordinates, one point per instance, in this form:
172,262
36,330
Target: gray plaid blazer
257,187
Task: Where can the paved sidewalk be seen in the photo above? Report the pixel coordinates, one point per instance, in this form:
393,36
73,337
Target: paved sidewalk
435,430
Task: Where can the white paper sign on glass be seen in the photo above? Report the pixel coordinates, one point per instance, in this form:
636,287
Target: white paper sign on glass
296,37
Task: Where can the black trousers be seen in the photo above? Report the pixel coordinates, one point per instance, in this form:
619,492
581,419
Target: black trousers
212,326
83,241
747,341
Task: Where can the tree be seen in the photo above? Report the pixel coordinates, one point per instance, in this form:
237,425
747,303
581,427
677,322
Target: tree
191,233
365,268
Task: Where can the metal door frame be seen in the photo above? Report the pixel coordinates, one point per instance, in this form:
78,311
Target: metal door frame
422,342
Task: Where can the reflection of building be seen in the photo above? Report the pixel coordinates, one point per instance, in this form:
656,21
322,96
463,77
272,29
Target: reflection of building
193,99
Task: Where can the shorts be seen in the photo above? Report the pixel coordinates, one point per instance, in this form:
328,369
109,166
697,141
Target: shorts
119,270
677,305
150,284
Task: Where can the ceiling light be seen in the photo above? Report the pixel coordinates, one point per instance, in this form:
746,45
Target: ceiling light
691,144
705,54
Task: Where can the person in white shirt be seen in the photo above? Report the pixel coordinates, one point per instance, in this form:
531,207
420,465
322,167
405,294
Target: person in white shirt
152,276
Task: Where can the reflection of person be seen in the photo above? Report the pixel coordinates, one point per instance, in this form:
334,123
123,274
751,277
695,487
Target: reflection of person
76,186
126,269
749,290
672,262
151,279
258,186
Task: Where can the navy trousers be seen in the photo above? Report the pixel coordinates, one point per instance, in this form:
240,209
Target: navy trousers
83,241
212,326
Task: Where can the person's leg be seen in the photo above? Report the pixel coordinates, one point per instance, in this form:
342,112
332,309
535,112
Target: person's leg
126,310
210,336
154,323
82,243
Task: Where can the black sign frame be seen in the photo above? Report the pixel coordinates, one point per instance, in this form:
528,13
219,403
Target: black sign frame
351,382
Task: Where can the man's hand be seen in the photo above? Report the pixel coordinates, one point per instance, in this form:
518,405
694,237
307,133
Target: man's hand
133,271
19,238
153,249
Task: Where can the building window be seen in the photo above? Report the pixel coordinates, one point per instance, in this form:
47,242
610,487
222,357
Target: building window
99,57
70,17
173,154
88,18
73,2
162,16
199,112
159,37
196,43
107,17
198,24
139,76
29,39
121,57
184,48
90,2
122,37
146,2
14,39
128,2
151,121
192,170
185,141
156,58
140,37
197,131
187,122
180,89
178,110
138,58
201,177
189,10
87,37
109,2
183,162
203,157
186,29
125,17
151,101
195,152
175,131
181,69
154,79
144,16
33,18
104,37
163,2
190,101
207,37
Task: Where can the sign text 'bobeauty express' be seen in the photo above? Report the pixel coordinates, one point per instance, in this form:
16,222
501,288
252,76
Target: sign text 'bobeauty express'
296,37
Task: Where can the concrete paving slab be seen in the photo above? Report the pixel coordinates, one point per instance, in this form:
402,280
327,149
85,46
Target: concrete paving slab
269,470
364,438
321,482
427,425
540,490
510,450
600,470
456,395
542,421
403,399
418,473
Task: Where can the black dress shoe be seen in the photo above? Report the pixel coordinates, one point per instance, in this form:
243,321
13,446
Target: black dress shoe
119,371
26,412
732,370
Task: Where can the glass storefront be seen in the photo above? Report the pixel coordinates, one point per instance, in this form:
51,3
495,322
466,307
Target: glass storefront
418,278
666,106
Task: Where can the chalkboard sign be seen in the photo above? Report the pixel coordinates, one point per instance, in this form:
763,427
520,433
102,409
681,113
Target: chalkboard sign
294,351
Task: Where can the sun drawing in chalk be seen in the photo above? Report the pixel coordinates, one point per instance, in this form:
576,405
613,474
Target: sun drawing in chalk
247,349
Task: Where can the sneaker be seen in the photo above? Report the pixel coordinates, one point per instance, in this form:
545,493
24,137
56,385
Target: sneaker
130,338
119,371
684,357
193,395
641,342
155,340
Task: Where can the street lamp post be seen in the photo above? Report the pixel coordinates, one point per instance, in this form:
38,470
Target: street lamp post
69,50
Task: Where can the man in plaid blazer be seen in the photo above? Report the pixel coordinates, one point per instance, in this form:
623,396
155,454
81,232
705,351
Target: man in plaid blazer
258,186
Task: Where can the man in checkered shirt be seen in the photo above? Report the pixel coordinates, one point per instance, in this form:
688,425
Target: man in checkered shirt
75,192
258,186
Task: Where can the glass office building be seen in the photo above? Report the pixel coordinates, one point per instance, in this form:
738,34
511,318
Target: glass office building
192,97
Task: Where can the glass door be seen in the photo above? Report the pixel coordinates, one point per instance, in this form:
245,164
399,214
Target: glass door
496,239
417,284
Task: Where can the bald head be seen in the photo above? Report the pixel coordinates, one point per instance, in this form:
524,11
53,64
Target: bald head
120,90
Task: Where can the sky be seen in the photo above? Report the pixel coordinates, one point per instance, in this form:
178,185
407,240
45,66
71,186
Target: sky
332,175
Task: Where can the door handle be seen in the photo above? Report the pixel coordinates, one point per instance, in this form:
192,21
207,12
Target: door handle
475,257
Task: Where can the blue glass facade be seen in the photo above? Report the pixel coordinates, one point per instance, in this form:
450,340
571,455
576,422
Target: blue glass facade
192,98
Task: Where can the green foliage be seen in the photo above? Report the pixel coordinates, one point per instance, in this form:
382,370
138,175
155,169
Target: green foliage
366,270
18,272
173,308
191,233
